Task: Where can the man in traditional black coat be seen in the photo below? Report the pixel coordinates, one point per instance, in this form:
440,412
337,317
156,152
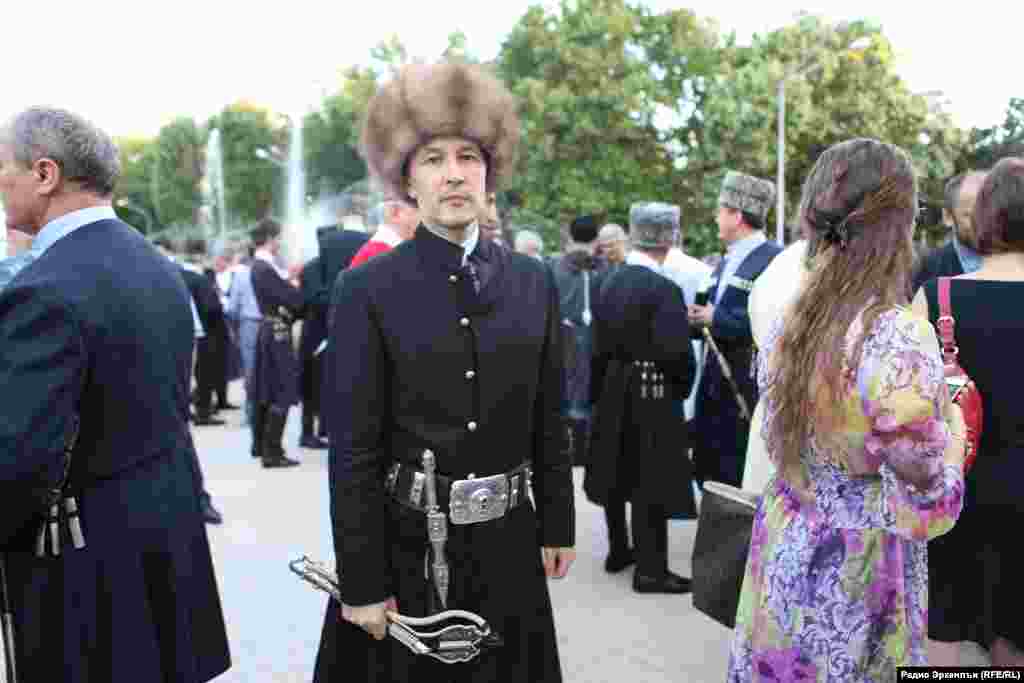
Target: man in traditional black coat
275,382
314,331
577,275
211,349
721,430
643,368
97,338
451,344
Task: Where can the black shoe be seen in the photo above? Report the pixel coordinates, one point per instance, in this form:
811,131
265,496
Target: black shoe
226,406
210,514
208,421
618,560
666,583
276,461
310,441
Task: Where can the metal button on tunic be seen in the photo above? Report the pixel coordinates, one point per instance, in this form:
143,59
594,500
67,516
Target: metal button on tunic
464,322
471,426
453,278
470,374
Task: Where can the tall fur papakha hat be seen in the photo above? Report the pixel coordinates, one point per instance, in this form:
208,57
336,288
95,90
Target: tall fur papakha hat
439,100
653,225
747,193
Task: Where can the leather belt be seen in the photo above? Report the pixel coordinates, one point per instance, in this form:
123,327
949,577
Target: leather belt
469,501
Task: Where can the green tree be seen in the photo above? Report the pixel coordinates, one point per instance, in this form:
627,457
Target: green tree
249,181
330,137
849,94
175,164
604,86
134,188
986,146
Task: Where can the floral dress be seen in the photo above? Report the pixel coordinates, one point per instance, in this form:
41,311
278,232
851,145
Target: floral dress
836,587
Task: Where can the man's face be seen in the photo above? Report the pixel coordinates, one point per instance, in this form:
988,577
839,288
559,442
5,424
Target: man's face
23,205
728,221
612,249
447,178
964,211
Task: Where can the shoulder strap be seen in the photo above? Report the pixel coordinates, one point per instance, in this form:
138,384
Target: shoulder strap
946,324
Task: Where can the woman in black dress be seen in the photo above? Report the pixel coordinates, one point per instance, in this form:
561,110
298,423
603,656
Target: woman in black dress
979,596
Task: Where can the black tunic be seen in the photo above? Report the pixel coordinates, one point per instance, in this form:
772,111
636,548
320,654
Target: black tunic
414,357
276,368
100,326
639,447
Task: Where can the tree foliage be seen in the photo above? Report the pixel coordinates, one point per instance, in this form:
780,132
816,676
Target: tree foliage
594,77
250,181
986,146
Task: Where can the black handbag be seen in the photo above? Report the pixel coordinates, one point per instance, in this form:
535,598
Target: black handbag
720,550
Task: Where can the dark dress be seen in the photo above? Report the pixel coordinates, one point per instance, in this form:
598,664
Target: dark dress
974,590
276,367
417,359
100,326
315,293
211,350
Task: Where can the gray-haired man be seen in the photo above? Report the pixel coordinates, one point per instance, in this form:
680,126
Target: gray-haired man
109,575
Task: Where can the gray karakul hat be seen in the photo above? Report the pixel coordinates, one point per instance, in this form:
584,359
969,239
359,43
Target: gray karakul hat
747,193
653,224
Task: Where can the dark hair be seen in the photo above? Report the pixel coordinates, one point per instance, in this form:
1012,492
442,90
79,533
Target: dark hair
163,243
951,193
266,230
858,207
583,230
999,209
195,247
753,220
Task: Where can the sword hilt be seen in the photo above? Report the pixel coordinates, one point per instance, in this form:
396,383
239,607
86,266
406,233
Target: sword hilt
437,528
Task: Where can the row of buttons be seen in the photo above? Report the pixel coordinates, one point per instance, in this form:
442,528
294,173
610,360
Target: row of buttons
470,374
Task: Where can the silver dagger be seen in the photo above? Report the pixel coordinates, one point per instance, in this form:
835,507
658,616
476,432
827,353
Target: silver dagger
437,529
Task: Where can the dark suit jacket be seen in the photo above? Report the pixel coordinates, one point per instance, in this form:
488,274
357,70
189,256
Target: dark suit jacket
315,293
211,312
940,262
337,247
99,326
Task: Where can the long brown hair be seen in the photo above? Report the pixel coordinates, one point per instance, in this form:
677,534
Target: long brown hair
857,210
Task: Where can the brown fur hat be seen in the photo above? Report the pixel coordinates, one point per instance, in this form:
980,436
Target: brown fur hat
429,101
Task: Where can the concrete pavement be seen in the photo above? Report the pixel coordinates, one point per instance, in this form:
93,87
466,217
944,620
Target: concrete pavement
606,632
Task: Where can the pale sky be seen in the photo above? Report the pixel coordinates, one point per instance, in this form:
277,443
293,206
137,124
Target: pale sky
132,66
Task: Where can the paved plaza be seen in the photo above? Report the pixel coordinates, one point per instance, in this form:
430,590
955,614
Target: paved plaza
607,633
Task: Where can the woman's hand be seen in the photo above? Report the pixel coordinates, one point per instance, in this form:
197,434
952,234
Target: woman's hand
371,618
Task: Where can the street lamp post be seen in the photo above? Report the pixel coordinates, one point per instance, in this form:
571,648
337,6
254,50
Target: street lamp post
780,181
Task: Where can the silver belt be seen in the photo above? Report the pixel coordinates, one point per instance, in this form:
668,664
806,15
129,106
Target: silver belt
471,500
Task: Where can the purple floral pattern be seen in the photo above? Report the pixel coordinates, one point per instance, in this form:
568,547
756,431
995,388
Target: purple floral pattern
836,587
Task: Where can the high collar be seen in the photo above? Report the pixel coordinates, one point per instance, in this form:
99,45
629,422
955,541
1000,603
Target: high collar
387,234
440,251
638,258
743,247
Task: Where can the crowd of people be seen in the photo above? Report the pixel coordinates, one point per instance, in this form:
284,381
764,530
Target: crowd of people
446,345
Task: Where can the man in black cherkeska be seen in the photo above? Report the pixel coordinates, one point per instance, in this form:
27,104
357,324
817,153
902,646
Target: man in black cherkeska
643,367
448,343
275,382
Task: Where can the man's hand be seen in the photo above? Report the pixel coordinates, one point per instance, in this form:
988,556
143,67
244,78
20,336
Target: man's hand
371,618
557,561
700,315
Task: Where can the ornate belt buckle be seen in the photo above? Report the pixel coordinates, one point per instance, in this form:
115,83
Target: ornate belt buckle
478,500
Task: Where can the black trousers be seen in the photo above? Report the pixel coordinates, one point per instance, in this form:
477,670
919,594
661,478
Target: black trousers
206,376
650,537
310,389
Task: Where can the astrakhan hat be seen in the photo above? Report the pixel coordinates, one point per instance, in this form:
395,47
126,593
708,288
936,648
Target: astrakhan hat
439,100
653,224
747,193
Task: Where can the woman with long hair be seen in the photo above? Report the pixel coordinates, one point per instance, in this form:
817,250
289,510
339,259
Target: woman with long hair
856,416
976,593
